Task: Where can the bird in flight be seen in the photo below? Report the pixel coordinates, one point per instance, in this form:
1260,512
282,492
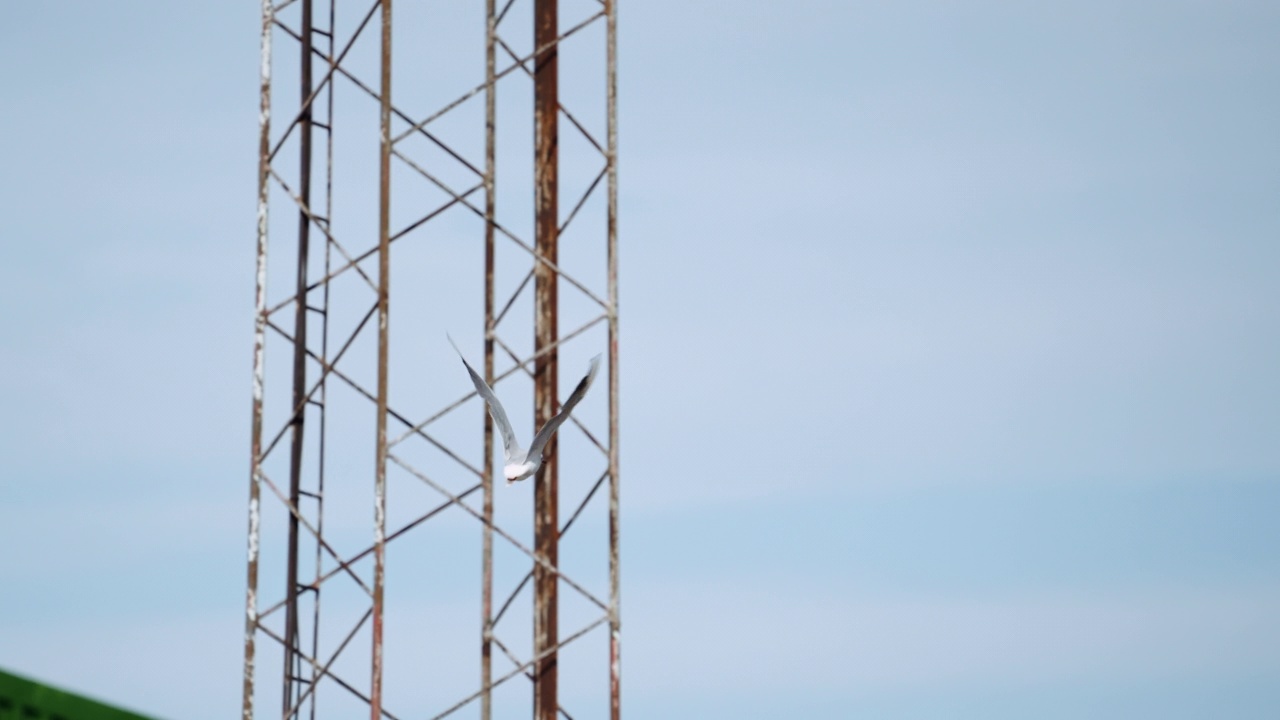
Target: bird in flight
520,463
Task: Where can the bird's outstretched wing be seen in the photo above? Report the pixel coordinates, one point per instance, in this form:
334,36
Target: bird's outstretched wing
540,440
510,448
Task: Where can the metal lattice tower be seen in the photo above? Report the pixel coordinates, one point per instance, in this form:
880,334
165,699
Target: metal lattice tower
370,176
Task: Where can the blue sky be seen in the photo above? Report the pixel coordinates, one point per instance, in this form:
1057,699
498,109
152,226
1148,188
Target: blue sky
950,336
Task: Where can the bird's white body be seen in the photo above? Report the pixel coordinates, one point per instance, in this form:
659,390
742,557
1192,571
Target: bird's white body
516,472
520,463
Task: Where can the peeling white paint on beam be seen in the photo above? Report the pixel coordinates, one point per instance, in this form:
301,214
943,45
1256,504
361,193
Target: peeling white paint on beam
253,527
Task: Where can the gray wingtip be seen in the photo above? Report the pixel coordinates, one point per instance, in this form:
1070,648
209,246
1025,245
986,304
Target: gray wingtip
470,371
459,351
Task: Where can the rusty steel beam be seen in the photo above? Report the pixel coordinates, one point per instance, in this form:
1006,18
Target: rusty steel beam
299,362
259,365
615,572
384,278
486,552
546,401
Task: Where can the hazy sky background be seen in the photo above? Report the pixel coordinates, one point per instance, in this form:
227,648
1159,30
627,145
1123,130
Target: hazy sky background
950,346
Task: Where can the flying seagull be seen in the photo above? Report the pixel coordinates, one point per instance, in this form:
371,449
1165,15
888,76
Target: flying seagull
521,463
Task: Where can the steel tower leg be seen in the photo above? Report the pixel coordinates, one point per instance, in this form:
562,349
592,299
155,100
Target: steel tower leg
546,334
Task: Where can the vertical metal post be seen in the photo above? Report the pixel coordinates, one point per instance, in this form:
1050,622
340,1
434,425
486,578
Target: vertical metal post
324,354
299,366
615,617
486,590
259,365
384,272
545,394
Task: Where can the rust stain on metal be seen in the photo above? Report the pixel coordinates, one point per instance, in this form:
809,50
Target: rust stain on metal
486,611
546,335
615,572
384,272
